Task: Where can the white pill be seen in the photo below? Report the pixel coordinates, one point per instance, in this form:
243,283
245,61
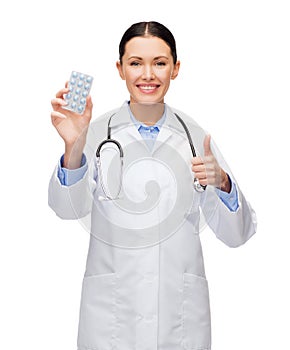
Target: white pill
80,108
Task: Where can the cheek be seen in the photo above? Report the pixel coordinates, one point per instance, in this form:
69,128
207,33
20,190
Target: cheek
164,75
132,75
165,80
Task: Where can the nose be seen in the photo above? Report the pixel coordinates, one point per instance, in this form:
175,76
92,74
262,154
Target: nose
148,73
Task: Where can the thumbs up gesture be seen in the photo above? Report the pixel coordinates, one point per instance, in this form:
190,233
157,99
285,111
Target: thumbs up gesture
207,169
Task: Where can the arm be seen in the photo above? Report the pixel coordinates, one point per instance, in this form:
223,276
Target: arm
232,227
230,199
71,127
69,177
73,201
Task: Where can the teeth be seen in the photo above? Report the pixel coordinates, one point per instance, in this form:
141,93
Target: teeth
147,87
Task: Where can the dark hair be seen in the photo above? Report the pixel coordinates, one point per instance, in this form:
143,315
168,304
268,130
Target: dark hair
148,29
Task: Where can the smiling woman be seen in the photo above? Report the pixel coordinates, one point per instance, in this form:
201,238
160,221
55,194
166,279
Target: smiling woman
145,285
147,74
148,61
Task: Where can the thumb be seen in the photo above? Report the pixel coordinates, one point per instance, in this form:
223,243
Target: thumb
89,103
206,145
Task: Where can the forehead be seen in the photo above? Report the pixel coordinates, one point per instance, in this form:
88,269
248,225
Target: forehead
147,46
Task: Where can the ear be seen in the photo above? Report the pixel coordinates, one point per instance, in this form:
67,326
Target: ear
120,70
175,70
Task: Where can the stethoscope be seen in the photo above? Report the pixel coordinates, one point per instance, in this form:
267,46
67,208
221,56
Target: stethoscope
197,186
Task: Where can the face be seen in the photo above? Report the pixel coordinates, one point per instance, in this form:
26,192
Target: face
147,67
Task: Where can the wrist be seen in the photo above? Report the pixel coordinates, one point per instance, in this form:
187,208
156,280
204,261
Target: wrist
225,183
72,157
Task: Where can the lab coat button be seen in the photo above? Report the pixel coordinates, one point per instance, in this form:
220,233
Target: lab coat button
139,317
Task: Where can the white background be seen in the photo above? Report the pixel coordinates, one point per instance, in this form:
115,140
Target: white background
234,81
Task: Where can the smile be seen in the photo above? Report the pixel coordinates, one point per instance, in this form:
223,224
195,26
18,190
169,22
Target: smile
148,88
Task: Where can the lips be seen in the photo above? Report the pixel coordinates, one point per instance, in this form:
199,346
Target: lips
148,88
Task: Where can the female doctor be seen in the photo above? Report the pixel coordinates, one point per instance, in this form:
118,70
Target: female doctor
144,286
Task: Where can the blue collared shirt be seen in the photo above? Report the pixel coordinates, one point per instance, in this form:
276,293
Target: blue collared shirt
149,133
69,177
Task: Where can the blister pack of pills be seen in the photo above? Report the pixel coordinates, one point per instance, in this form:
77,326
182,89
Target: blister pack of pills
80,86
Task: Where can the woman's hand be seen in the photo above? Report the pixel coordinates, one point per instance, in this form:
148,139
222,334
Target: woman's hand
72,127
208,171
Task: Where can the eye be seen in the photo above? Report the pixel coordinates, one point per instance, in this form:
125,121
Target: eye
135,64
160,64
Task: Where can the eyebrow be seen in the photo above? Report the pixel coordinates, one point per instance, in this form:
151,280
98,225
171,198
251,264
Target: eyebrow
140,58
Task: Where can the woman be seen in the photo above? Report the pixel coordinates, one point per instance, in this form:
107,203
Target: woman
144,285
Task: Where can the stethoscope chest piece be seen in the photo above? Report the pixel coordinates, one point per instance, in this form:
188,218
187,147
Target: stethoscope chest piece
197,186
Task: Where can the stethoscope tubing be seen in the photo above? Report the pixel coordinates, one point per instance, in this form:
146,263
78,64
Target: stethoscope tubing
197,186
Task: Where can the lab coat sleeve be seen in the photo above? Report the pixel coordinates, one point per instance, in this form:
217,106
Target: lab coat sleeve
74,201
71,176
234,228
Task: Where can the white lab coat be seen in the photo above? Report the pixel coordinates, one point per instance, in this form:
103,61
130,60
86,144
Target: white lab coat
144,286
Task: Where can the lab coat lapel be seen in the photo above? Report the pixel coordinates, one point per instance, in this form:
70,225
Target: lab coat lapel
121,119
171,125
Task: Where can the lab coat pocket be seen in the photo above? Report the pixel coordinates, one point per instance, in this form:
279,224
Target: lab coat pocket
196,313
97,321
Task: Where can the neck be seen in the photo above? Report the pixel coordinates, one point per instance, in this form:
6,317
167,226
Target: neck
147,113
